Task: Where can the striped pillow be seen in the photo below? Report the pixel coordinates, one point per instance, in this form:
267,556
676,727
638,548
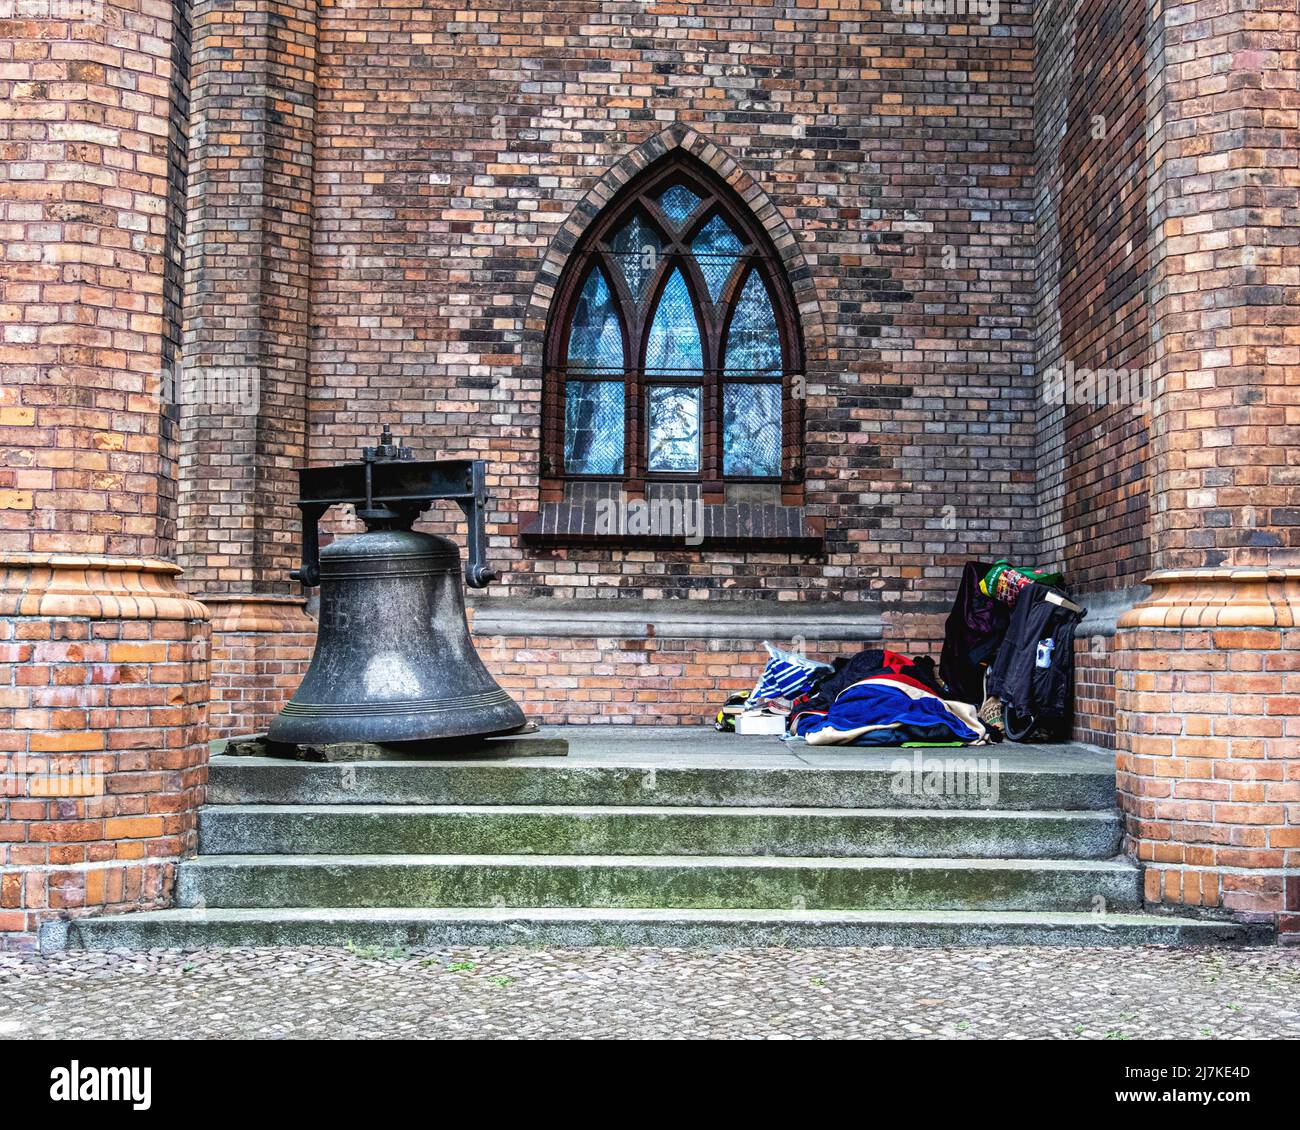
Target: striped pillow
786,675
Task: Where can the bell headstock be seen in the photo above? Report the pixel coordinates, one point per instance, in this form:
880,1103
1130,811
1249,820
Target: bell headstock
390,489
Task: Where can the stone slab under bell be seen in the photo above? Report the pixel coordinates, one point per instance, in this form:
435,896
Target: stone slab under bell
446,749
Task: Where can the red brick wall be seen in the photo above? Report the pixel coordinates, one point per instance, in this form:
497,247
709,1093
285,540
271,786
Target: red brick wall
1207,709
1092,267
103,741
246,318
1226,289
87,458
453,146
1093,264
456,154
1208,773
261,647
661,682
246,293
103,662
655,680
1094,690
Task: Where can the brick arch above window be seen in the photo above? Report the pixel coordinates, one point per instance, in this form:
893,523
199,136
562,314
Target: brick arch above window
673,357
686,140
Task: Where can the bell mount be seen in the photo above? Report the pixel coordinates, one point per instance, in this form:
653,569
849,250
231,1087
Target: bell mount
389,489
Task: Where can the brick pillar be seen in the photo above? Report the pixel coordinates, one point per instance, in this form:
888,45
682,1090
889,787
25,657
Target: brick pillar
1208,690
246,345
103,664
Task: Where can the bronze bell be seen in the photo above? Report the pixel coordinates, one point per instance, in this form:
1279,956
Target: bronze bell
393,660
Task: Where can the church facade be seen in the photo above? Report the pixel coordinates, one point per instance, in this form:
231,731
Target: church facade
766,319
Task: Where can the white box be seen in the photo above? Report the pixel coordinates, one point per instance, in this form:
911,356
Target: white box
758,722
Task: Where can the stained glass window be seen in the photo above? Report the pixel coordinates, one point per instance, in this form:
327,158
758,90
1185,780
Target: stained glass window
678,203
674,433
674,344
681,337
596,341
636,249
753,341
593,427
751,430
716,250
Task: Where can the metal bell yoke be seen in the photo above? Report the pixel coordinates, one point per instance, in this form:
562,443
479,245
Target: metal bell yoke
394,661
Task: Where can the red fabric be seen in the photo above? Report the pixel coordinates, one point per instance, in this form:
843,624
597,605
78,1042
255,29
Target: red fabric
907,679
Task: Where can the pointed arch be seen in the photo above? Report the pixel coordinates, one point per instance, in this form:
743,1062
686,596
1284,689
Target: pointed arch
709,249
616,178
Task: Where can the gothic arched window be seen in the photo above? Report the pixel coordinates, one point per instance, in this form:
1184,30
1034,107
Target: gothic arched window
673,346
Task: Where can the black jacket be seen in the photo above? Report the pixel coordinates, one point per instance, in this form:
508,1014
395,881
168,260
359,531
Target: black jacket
1036,683
971,637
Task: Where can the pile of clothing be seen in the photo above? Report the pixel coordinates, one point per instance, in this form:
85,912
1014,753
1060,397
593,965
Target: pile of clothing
879,697
1006,670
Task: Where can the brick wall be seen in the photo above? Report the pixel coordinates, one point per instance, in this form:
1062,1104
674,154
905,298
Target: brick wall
1225,295
1092,265
246,293
90,104
103,741
1207,711
261,647
603,680
246,316
1208,772
1094,690
652,674
460,155
103,660
453,146
454,156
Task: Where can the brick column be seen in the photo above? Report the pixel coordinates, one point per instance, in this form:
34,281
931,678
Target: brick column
1208,692
246,345
103,664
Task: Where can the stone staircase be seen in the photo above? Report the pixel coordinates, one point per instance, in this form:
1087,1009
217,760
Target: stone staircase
666,838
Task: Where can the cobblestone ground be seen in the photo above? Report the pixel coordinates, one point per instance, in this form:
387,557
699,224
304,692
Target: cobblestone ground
965,993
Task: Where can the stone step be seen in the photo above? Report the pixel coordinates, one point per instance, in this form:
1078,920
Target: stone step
986,777
748,882
384,927
256,829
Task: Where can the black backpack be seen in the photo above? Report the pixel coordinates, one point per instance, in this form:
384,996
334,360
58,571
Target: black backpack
1033,673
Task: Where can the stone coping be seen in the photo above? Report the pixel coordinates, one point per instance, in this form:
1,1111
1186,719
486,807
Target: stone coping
93,586
744,620
701,748
1105,608
1218,598
713,619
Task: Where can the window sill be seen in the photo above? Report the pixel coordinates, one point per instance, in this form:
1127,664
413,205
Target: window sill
733,525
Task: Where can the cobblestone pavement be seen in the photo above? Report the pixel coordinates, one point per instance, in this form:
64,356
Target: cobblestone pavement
638,992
